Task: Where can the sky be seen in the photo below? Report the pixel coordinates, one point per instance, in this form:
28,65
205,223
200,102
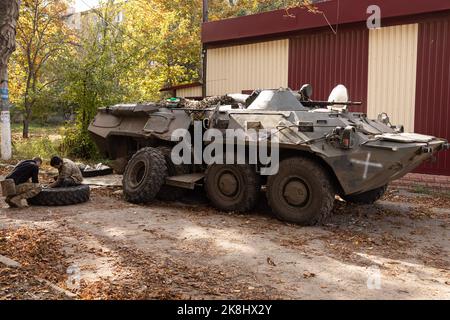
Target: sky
82,5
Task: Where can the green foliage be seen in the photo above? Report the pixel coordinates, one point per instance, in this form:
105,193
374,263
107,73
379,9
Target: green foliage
93,76
44,142
421,189
157,44
40,146
78,144
42,36
165,35
222,9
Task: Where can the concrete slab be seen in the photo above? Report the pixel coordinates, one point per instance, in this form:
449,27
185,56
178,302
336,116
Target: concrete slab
9,262
113,180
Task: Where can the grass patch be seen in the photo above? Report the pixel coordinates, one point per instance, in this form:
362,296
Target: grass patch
36,147
44,142
422,190
444,194
430,192
35,130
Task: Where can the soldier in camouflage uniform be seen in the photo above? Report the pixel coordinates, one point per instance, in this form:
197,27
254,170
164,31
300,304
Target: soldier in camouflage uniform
22,174
69,174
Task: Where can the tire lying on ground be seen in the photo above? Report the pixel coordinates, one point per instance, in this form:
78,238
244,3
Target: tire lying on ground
61,196
97,173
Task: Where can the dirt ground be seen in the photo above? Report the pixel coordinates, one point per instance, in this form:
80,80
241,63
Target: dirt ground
109,249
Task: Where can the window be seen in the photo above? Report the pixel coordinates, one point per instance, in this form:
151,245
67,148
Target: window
119,17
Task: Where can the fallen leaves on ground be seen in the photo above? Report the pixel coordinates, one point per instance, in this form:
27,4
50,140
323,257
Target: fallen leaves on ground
308,275
17,284
145,276
110,192
39,252
270,262
186,272
432,200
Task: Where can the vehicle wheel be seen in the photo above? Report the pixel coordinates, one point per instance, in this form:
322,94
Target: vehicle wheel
144,175
61,196
301,192
169,193
232,187
368,197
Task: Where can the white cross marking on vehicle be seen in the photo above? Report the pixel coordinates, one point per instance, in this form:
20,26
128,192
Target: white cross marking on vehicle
367,164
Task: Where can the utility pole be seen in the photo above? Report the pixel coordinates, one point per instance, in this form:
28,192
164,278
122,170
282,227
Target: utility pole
204,50
5,118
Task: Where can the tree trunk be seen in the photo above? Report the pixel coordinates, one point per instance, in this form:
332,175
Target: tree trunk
26,119
26,126
9,13
3,84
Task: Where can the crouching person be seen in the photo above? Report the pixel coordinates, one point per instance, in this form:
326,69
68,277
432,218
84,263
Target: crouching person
69,175
22,173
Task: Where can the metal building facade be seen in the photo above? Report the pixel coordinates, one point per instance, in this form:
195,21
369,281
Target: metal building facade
392,73
192,92
247,67
432,114
325,60
402,69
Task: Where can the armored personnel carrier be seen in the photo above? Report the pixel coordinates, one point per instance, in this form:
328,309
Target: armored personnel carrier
317,150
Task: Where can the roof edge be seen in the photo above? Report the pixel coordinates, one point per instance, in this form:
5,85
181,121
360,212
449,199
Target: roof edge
277,22
182,86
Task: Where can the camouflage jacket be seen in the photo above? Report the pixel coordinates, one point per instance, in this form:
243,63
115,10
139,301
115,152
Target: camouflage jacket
69,170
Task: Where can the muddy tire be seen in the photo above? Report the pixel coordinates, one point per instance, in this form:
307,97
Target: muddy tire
301,192
232,187
144,176
368,197
61,196
169,193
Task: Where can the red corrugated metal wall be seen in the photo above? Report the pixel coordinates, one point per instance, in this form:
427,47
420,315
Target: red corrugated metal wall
325,60
433,87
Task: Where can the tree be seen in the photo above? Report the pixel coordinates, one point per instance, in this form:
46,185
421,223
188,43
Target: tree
157,44
9,12
42,35
96,74
222,9
165,34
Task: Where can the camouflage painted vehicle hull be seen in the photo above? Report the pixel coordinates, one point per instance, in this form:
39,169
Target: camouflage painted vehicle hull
322,152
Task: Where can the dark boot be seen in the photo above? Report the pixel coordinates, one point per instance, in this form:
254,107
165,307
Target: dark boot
10,203
17,202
